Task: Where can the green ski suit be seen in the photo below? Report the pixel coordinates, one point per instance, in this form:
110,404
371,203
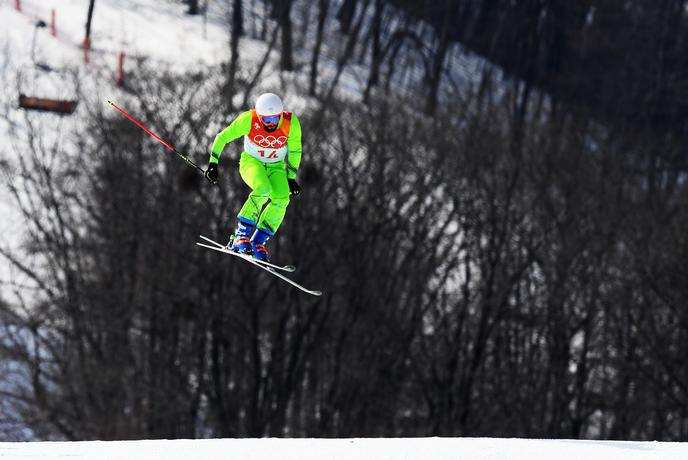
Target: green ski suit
267,177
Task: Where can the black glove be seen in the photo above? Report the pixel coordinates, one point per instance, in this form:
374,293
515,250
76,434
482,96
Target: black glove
211,173
294,188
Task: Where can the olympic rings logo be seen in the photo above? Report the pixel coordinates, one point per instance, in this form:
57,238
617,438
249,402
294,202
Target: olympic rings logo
269,141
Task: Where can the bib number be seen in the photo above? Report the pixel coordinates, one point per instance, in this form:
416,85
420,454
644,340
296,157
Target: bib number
270,154
265,153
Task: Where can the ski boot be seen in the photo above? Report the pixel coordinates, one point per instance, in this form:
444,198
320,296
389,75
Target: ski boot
260,237
240,241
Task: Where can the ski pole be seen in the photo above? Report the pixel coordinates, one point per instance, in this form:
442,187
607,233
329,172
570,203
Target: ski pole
183,157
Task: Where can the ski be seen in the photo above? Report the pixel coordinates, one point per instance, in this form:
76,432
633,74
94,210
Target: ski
271,268
284,268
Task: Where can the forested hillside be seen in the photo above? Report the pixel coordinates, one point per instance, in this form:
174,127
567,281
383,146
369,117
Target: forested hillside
613,59
498,255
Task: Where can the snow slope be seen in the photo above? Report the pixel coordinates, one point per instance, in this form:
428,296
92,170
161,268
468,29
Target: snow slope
138,27
164,37
345,449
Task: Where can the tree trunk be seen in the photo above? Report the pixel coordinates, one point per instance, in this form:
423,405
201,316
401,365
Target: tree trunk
376,55
346,15
193,7
235,36
261,67
324,6
435,76
348,50
283,12
88,20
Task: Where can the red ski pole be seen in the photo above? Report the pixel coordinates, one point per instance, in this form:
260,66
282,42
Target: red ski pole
132,119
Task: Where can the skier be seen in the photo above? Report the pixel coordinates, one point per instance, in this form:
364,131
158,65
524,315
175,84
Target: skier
268,165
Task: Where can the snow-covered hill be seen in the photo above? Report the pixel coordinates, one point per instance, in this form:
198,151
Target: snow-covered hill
347,449
140,30
155,31
143,30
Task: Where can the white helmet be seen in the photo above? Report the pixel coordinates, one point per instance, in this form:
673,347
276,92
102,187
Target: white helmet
269,104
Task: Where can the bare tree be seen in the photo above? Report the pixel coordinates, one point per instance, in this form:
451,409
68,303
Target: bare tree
323,9
348,49
346,15
283,12
89,17
236,31
193,7
376,55
443,40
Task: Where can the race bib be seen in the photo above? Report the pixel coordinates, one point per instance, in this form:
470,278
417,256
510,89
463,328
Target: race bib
266,148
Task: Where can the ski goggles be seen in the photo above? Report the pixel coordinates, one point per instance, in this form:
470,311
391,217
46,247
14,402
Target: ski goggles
270,119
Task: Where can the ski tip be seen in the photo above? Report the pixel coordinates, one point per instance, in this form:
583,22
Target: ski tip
316,293
289,268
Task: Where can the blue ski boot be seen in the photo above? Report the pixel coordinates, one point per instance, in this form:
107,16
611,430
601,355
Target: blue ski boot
241,240
260,237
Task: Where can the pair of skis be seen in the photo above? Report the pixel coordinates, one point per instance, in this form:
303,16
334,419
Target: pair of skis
267,266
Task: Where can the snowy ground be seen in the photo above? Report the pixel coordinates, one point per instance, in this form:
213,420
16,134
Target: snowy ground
345,449
169,39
